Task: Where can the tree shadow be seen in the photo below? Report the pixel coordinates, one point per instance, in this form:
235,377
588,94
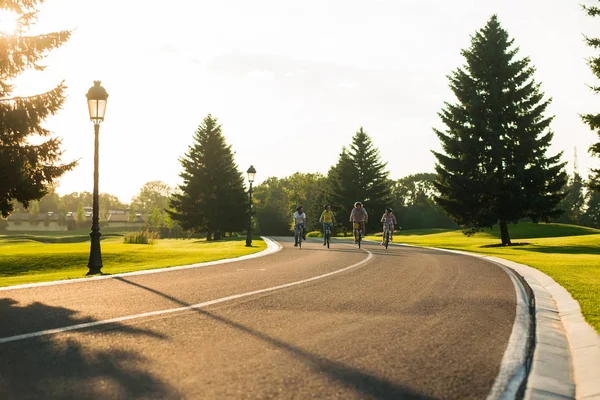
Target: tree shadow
515,244
359,380
422,232
48,366
562,249
224,239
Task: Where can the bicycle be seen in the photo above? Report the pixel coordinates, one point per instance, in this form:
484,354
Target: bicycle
386,234
359,234
299,231
327,234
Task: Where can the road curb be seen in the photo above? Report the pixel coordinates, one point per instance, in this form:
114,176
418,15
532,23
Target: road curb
272,247
565,361
562,334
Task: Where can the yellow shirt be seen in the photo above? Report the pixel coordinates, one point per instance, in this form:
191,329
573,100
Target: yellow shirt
327,216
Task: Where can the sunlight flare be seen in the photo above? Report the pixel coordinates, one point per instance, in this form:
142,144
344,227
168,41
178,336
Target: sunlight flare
9,23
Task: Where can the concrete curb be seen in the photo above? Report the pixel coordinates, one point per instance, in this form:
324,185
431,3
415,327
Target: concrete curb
565,363
272,247
562,334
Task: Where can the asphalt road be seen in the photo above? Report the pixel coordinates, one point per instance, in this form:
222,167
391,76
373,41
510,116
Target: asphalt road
407,323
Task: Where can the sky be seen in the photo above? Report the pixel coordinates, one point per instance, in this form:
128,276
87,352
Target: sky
290,82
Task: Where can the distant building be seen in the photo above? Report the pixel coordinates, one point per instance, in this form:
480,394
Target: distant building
120,219
50,221
55,222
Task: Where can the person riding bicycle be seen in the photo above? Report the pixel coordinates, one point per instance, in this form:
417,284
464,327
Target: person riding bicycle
358,217
390,219
327,219
299,224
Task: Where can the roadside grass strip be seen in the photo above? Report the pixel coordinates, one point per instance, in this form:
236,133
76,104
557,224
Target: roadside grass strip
32,259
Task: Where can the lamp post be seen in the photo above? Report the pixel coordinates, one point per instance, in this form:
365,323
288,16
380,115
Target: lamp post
96,98
251,174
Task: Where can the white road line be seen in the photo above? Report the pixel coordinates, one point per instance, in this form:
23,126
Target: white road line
178,309
272,247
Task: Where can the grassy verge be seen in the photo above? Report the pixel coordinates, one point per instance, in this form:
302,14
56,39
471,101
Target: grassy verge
41,259
569,254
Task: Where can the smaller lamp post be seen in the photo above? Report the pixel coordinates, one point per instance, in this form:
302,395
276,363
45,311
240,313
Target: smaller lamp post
251,174
96,98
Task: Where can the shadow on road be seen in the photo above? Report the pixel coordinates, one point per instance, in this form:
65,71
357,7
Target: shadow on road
53,367
361,381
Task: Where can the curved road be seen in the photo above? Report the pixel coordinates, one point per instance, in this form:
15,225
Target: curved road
399,323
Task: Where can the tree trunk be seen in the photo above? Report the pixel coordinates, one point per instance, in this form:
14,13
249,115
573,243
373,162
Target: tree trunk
208,236
217,235
504,233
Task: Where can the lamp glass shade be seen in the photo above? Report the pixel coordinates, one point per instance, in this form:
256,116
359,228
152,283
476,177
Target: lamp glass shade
97,109
96,98
251,174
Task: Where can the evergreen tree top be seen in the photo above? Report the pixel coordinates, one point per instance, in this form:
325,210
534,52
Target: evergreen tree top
20,52
593,119
27,170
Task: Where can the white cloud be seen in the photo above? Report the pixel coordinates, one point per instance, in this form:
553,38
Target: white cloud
261,75
347,85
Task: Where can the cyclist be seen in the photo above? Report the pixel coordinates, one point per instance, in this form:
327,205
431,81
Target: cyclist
390,219
327,219
358,217
299,222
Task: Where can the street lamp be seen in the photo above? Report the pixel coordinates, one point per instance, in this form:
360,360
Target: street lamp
96,98
251,174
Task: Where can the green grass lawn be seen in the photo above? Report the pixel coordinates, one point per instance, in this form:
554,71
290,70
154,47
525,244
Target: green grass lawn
41,258
569,254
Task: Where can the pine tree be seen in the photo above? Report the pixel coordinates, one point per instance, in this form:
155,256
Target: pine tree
591,217
359,175
27,170
574,201
212,197
593,120
494,168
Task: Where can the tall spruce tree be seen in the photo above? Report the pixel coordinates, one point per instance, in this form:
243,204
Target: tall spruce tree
359,175
593,120
27,170
591,217
494,168
212,197
574,202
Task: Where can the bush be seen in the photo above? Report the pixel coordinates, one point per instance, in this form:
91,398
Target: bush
141,237
314,234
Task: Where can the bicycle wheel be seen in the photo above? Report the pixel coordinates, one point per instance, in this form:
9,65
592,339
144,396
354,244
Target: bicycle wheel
298,237
328,236
359,237
387,238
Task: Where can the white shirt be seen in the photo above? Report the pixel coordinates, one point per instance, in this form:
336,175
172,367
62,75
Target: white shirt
299,218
